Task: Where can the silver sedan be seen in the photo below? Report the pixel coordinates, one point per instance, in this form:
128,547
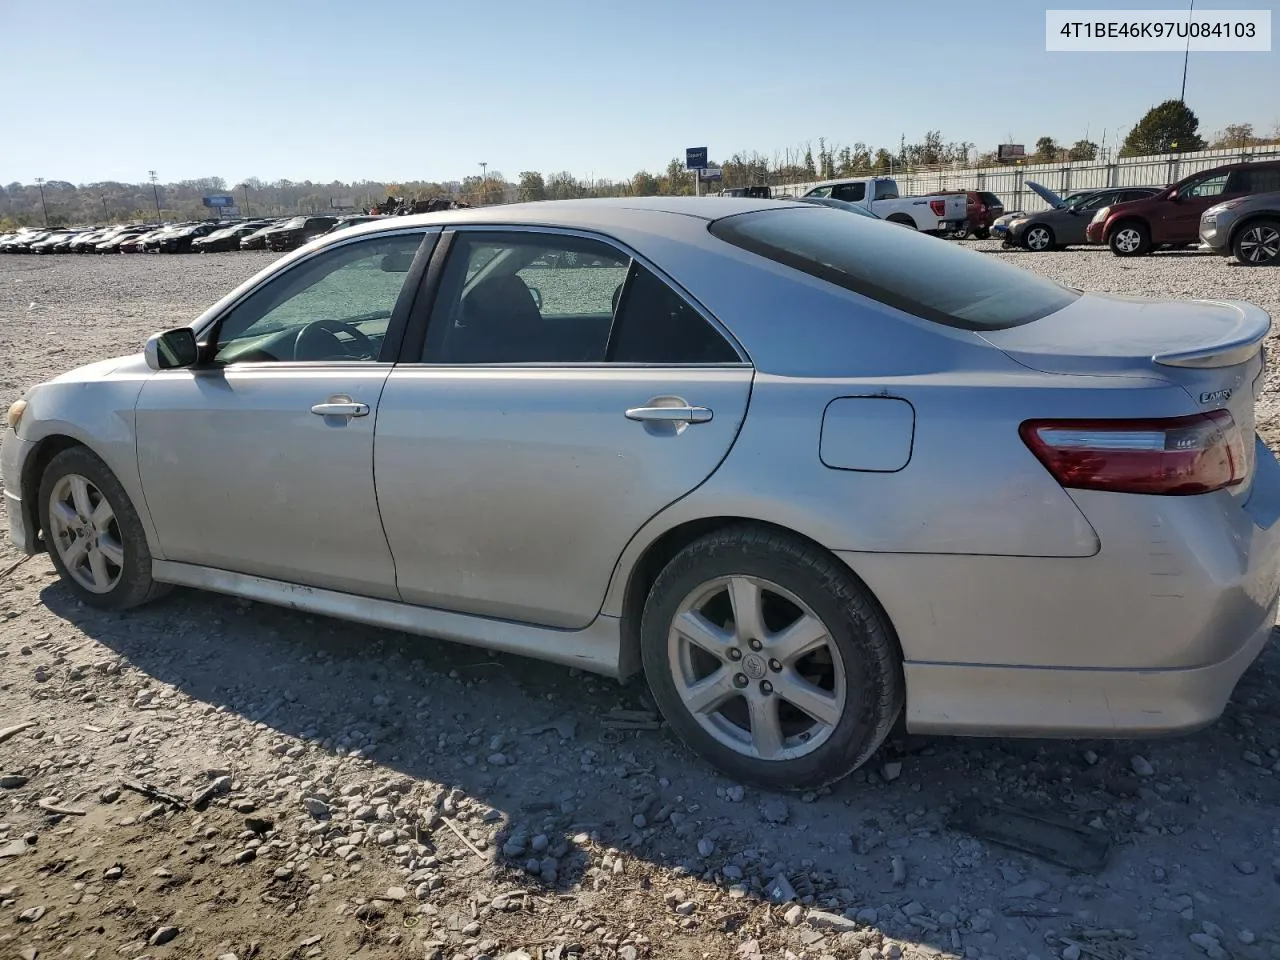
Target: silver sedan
803,472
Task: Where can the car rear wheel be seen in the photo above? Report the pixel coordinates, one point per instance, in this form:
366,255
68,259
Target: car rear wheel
1037,238
1258,244
95,538
1130,239
982,233
770,660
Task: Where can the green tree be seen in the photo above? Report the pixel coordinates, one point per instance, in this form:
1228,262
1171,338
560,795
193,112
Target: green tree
532,186
1047,149
883,161
810,170
645,184
1083,150
1235,135
1168,127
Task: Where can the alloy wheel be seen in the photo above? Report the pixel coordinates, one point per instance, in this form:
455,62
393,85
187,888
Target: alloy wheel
1260,244
1128,240
756,668
1038,239
86,534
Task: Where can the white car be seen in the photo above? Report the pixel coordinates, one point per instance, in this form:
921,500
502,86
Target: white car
939,213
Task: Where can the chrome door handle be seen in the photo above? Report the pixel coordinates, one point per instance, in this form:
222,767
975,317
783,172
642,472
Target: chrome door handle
670,414
341,408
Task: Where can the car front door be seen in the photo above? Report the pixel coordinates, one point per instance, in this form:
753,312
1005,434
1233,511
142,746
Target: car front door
1180,217
565,394
259,460
1070,223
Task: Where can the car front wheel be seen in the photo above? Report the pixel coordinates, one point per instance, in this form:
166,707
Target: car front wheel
1038,238
1130,240
770,660
1258,244
95,538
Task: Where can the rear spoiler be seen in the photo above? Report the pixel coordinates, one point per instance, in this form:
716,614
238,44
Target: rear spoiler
1237,347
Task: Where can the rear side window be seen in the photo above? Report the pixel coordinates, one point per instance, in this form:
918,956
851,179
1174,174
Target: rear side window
849,192
990,199
1257,180
913,272
654,324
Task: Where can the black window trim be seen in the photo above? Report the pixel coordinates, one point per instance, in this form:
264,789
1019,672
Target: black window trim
415,339
206,329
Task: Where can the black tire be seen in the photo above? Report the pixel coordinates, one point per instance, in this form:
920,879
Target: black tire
854,622
1130,238
982,233
1038,238
1257,243
134,586
902,221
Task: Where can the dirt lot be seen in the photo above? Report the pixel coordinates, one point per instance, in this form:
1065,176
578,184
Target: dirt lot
315,789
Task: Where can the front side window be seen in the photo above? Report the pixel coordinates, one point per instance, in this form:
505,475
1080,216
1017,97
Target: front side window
901,268
335,306
1212,187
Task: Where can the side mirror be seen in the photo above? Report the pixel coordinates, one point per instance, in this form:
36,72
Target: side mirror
171,349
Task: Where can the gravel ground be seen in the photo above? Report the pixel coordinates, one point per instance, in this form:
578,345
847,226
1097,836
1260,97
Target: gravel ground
211,778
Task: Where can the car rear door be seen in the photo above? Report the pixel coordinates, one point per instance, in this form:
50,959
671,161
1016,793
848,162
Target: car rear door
1179,220
565,393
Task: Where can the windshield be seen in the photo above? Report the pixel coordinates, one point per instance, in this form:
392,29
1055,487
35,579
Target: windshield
913,272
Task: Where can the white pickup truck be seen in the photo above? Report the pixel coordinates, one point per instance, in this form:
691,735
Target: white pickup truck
940,214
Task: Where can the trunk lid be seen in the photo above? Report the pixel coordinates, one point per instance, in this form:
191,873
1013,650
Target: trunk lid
1047,195
1210,348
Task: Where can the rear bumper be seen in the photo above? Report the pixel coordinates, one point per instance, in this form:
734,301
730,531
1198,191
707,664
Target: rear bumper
1150,635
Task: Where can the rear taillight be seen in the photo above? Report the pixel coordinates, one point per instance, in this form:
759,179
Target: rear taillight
939,207
1173,457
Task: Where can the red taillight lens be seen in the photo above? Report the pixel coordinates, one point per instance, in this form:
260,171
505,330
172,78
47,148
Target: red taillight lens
1174,457
939,207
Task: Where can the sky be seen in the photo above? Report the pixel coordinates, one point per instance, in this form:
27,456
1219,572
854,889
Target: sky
395,90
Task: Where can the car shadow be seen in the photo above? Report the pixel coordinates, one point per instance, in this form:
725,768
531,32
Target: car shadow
536,743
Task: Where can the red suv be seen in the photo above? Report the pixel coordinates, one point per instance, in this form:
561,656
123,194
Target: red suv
1172,216
981,208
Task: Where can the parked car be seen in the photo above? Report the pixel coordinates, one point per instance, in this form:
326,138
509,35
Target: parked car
1063,224
982,207
23,240
258,239
85,240
933,488
936,213
1247,227
759,191
839,205
138,243
1000,226
228,238
50,241
294,233
344,222
180,240
1172,216
118,242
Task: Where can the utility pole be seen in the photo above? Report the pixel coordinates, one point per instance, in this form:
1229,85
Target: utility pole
246,202
155,190
44,206
1186,56
105,212
484,182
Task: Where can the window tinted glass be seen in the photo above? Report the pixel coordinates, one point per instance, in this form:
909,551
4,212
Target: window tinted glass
1262,180
1206,188
1100,200
913,272
819,192
656,325
991,200
849,192
335,306
886,190
525,298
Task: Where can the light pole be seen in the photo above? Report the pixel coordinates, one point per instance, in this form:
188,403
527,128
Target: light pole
155,190
246,201
484,182
105,213
44,206
1186,56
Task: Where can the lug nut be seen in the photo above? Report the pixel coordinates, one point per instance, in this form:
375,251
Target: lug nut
756,645
735,653
740,680
766,686
775,666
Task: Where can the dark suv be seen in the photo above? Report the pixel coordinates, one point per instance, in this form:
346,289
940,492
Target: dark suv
1172,216
981,208
291,235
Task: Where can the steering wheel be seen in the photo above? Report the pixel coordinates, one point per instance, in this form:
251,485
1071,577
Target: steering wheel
319,337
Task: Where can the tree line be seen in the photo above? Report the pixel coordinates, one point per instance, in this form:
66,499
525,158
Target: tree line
1169,127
